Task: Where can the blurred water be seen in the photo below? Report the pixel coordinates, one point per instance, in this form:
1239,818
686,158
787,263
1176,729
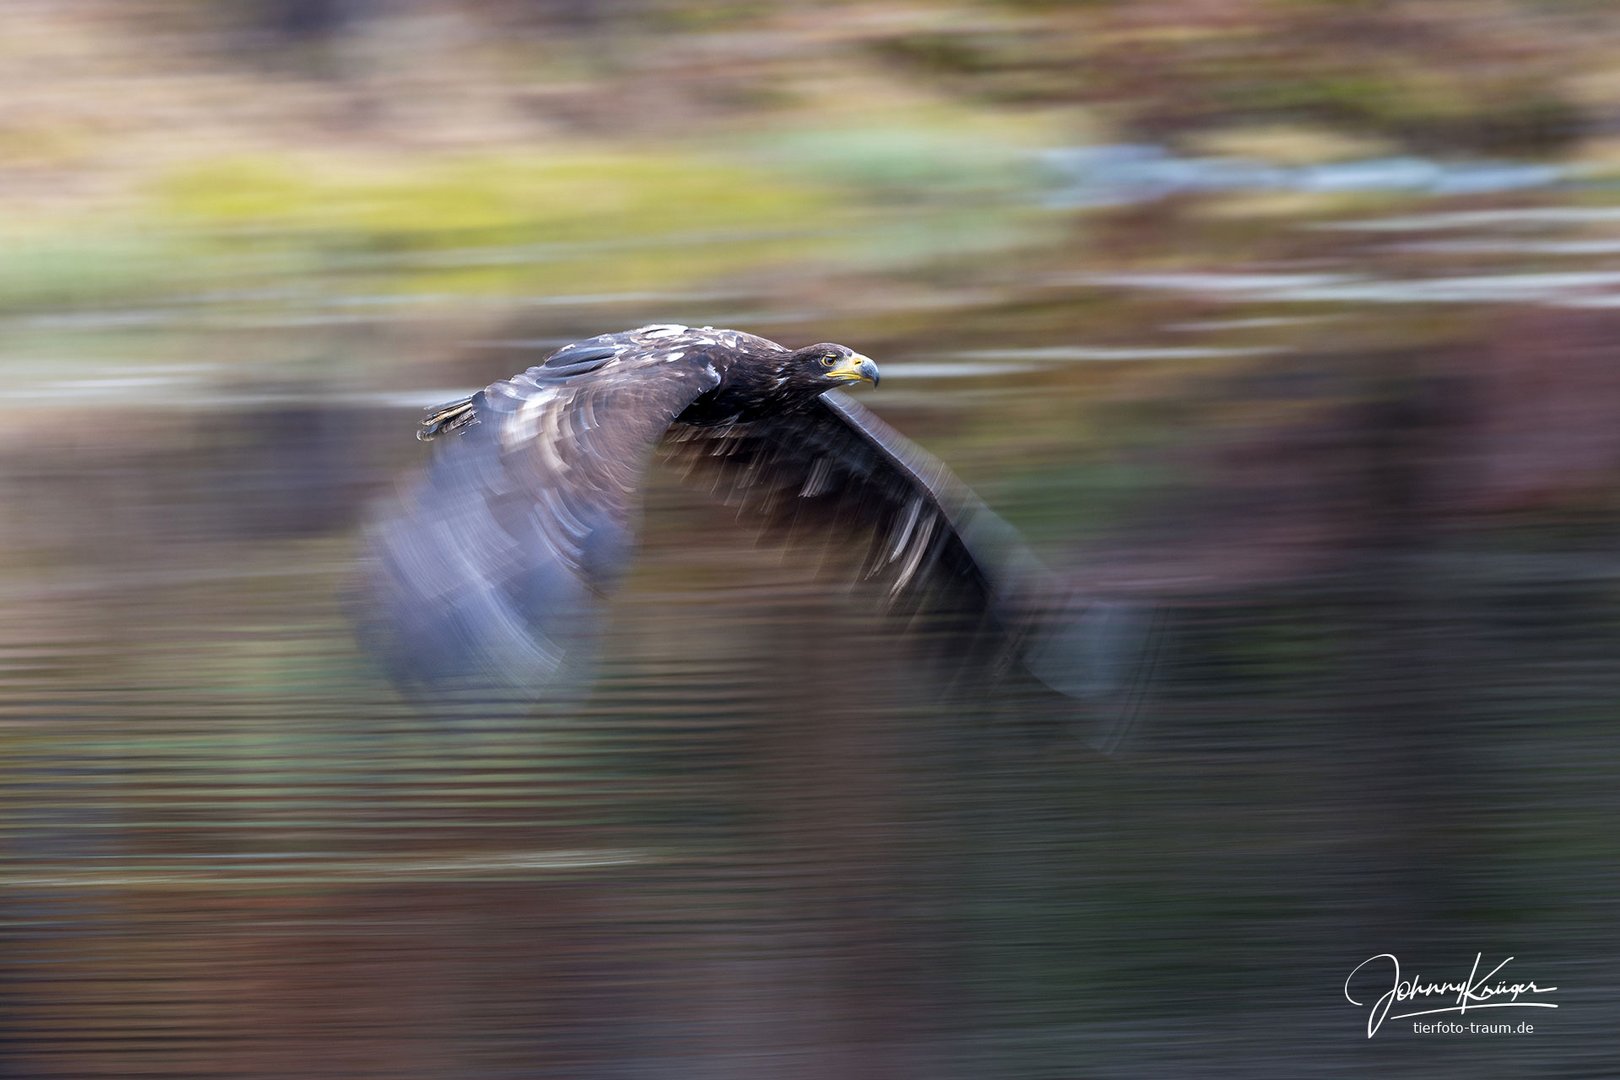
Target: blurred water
1370,486
1125,174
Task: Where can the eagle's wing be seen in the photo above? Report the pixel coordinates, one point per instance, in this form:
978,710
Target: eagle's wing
486,573
839,472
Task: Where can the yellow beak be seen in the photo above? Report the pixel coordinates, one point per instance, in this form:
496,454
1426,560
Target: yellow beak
854,368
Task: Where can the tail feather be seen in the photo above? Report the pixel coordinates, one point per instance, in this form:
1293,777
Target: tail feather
448,417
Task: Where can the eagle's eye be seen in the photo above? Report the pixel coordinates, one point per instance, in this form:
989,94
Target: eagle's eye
829,359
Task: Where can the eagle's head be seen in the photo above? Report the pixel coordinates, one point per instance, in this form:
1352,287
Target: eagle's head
816,369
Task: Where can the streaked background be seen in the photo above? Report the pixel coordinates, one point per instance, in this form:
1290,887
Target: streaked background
1296,320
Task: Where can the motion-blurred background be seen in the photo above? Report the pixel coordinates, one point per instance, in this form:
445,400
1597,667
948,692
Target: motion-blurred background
1297,319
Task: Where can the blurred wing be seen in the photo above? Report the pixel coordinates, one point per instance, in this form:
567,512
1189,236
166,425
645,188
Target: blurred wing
839,470
487,573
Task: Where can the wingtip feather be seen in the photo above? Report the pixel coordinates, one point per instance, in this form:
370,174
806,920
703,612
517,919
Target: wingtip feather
447,417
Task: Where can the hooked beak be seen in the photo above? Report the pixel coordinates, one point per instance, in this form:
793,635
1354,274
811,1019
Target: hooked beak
855,368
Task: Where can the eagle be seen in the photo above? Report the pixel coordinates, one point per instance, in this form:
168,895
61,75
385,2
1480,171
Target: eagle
488,572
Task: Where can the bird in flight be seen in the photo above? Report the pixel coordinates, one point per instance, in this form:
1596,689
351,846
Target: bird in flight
489,571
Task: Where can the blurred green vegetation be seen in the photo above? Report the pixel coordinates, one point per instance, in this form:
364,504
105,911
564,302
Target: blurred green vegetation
522,222
302,131
562,198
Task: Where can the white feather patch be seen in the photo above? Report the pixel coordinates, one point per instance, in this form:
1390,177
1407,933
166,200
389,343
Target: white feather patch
816,482
550,437
525,423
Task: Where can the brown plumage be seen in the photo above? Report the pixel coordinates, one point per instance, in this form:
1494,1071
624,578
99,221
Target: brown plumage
488,573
